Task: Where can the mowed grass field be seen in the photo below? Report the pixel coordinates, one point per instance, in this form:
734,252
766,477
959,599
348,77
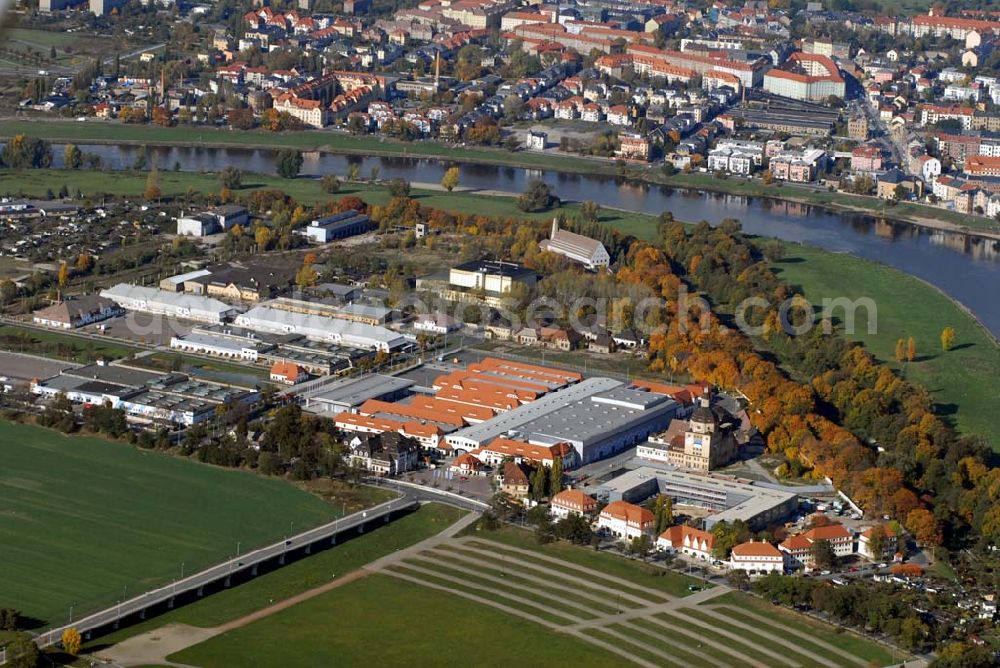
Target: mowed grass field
83,520
299,576
382,621
958,380
531,605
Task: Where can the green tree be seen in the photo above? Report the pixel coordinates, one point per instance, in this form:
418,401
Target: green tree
23,152
537,197
574,528
330,184
288,163
822,554
231,178
556,476
398,187
22,652
663,512
640,546
450,179
72,157
539,481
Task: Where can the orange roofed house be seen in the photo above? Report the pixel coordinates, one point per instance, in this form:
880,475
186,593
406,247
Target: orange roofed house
545,455
800,546
625,520
757,558
288,373
572,502
687,540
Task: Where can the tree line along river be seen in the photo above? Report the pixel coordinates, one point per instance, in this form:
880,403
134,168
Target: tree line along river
965,267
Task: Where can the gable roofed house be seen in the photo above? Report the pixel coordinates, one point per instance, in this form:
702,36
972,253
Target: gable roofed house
515,480
572,502
74,312
288,373
757,557
626,520
588,252
687,540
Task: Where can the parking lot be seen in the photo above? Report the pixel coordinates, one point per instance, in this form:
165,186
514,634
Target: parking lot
142,328
20,368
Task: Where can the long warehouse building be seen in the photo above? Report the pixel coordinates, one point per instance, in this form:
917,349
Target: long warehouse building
597,416
322,328
173,304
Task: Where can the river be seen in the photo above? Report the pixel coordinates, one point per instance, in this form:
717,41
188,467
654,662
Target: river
965,267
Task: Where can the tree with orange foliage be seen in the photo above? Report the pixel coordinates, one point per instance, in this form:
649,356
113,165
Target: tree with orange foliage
924,527
162,117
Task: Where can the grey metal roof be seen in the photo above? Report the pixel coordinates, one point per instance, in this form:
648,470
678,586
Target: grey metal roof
356,391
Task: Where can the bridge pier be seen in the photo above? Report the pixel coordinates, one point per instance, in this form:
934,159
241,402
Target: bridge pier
201,591
228,580
333,539
361,528
142,614
170,603
253,570
281,559
309,548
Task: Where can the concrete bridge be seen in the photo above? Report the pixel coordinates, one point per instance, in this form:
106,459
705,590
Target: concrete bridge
240,566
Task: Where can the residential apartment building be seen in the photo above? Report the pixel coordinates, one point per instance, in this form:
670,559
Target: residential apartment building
572,502
757,558
626,520
687,540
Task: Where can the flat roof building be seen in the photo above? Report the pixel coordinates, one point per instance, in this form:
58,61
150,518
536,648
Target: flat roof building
728,498
597,416
321,328
350,394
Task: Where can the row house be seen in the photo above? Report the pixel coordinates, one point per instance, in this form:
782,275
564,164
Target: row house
626,520
800,547
866,159
757,558
687,540
571,502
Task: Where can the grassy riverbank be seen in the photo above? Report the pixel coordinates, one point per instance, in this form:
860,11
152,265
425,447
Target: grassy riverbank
959,380
37,182
102,132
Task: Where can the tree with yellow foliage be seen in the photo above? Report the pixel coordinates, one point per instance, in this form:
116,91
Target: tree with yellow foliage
84,262
911,349
262,237
947,338
900,354
450,179
72,641
63,274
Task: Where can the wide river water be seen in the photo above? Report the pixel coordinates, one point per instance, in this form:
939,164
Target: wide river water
965,267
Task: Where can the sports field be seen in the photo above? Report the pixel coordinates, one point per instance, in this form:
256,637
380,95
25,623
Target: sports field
84,520
528,605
